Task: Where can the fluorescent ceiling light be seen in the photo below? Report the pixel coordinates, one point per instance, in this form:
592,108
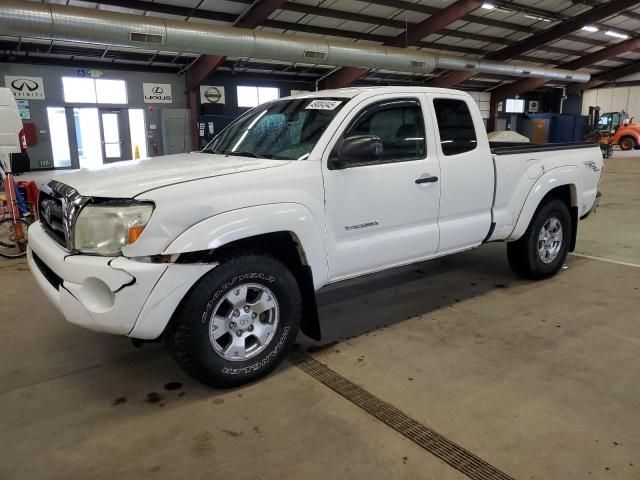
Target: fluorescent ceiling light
488,6
611,33
542,19
589,28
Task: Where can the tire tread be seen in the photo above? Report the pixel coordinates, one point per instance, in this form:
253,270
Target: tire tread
179,338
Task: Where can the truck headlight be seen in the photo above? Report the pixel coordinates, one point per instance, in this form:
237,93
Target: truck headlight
105,229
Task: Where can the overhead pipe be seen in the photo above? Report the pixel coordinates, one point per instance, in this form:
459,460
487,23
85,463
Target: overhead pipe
77,24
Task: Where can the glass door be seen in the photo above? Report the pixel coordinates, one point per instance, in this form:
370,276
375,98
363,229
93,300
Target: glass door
87,136
116,144
57,117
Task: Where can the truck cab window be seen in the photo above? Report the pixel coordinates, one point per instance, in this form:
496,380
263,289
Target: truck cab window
457,132
399,125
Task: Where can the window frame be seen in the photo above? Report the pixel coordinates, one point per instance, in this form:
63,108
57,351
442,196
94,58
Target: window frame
257,87
437,123
374,107
94,83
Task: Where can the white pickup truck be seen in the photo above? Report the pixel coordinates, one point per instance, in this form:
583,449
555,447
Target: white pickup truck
220,252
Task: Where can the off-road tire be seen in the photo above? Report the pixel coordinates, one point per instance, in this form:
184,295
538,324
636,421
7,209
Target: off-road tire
523,253
188,334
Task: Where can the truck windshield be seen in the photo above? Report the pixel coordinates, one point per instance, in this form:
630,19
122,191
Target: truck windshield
282,130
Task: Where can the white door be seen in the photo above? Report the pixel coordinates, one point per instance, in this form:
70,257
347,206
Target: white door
377,215
467,173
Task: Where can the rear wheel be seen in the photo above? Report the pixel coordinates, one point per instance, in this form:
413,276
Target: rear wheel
237,324
627,143
13,237
542,250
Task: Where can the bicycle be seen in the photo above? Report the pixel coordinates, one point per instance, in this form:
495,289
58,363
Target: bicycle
604,140
16,214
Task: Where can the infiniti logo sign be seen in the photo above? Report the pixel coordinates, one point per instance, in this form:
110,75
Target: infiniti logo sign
25,88
21,84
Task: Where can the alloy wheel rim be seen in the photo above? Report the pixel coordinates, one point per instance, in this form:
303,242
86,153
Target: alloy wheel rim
550,240
244,322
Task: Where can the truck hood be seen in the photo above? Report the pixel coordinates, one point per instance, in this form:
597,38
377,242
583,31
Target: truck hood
131,178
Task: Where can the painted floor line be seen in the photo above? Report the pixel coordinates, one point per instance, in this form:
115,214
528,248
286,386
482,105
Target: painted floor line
436,444
608,260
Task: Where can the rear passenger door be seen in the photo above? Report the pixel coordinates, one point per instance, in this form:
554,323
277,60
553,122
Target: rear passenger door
377,215
467,172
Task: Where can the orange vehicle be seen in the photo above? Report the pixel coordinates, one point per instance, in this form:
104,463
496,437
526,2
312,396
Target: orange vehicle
617,128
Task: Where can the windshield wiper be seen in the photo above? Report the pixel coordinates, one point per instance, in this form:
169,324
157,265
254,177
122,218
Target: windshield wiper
247,154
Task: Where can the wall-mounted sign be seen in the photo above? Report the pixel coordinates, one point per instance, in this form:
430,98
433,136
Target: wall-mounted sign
157,92
27,88
212,94
89,73
23,108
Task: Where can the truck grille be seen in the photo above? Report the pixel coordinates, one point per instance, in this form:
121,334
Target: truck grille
52,215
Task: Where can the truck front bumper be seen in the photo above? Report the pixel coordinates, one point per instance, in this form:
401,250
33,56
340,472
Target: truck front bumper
110,294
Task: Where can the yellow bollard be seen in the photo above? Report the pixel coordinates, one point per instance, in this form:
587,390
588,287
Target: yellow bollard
136,153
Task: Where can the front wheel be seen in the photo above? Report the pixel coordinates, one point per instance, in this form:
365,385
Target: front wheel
542,250
237,324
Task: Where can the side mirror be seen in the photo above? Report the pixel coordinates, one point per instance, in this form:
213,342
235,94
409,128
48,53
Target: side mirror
358,149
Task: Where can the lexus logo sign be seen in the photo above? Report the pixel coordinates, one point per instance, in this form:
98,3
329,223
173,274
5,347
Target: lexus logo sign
27,88
157,92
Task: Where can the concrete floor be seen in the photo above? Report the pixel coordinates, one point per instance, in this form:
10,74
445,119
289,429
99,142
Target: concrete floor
538,379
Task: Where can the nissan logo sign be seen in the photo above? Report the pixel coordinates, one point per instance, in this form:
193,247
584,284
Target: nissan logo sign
20,84
212,94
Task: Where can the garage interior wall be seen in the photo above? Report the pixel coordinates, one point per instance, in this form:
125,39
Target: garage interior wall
483,99
41,155
613,100
221,115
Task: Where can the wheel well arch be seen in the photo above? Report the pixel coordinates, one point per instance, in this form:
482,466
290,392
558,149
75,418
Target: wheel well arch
284,246
634,136
568,194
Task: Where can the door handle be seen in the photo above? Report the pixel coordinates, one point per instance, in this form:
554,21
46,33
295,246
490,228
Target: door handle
426,180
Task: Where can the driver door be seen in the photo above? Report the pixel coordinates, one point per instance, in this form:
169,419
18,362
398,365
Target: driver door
383,213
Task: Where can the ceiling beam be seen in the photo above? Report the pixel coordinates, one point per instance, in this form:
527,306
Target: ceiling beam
543,37
145,5
410,36
177,10
627,13
516,27
608,77
255,15
528,84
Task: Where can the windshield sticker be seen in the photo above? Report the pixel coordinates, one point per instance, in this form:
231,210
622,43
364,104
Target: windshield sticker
323,105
